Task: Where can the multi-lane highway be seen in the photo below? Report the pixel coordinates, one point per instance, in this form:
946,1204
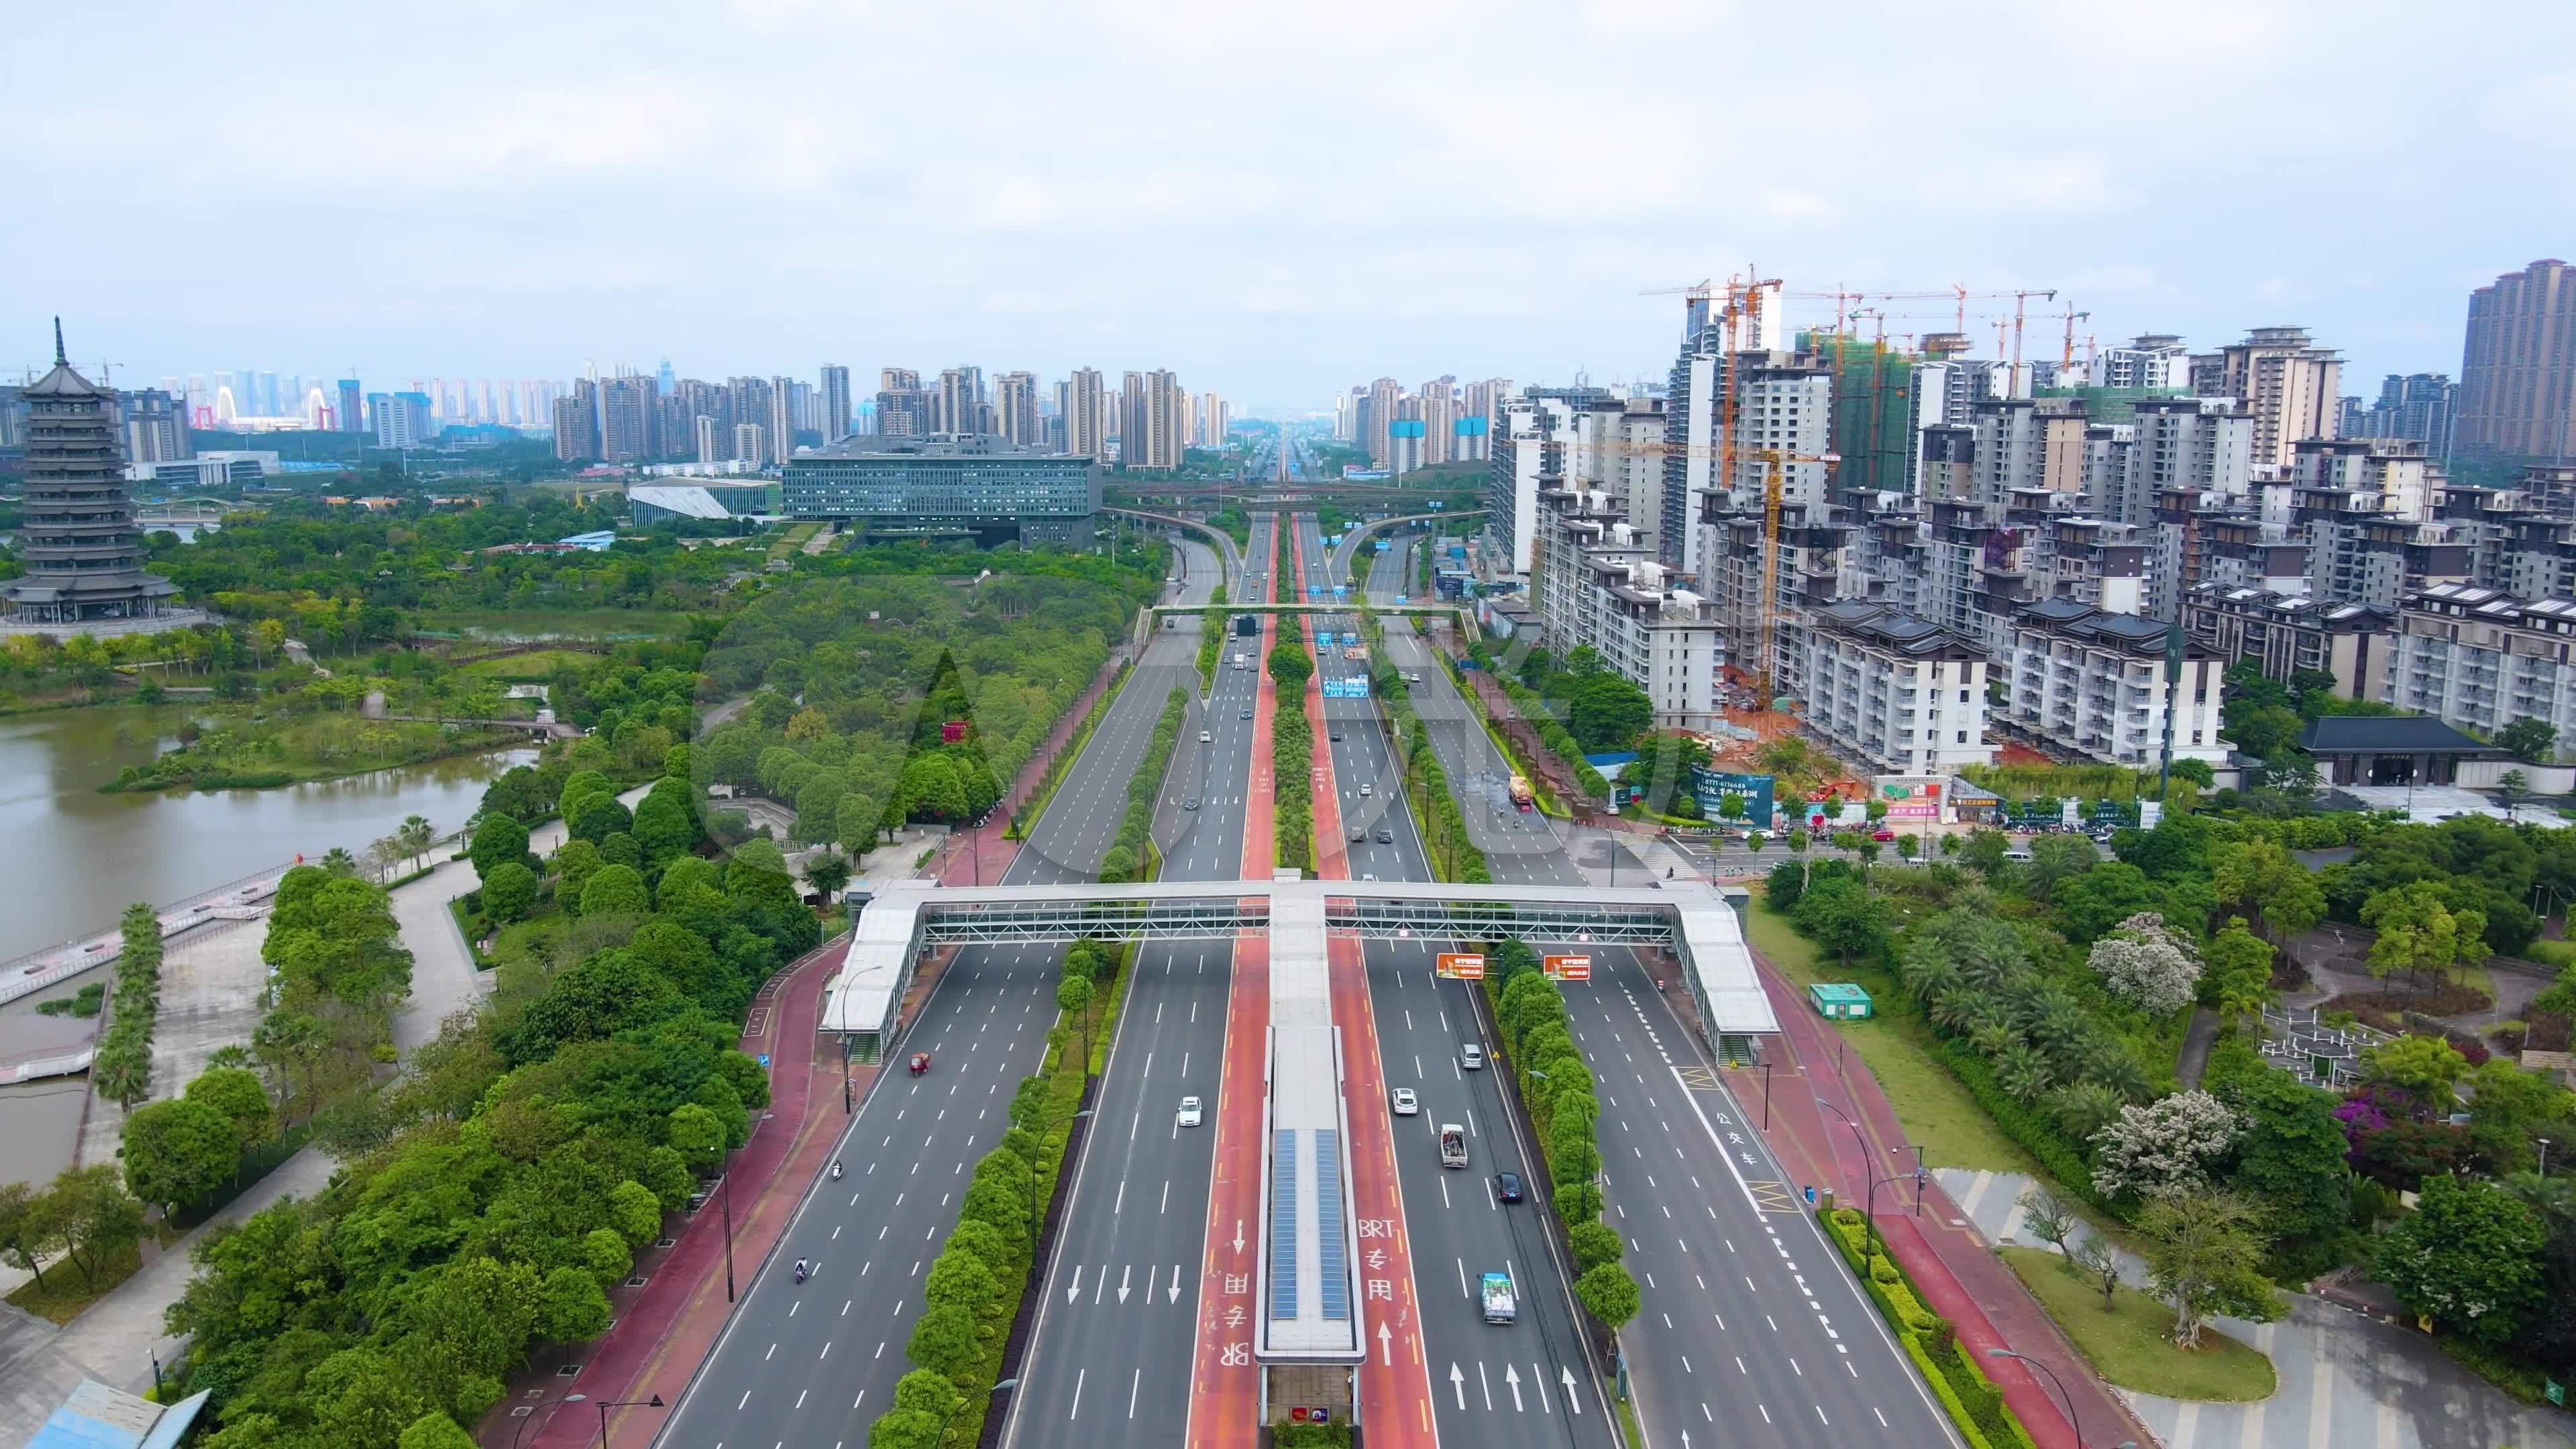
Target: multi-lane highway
1111,1359
1529,1382
813,1363
1751,1333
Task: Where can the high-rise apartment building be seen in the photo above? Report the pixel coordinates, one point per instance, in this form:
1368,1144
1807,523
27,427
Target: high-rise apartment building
2417,407
903,408
960,405
2518,367
627,420
153,425
402,421
2289,385
1015,408
1438,408
353,414
782,419
835,403
1086,415
1377,409
750,443
2153,362
576,420
1166,416
1216,420
704,426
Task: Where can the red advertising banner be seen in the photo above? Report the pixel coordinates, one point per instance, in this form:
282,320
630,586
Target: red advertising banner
1460,965
1567,968
952,732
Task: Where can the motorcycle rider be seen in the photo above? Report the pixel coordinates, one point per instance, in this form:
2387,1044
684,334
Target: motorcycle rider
800,1270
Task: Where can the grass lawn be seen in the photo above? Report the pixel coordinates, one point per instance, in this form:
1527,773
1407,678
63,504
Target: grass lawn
2128,1344
64,1294
534,667
1935,1109
508,624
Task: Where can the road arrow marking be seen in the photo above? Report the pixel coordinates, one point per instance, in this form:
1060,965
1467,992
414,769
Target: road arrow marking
1238,1235
1512,1376
1075,1291
1123,1273
1385,1344
1176,1284
1458,1385
1571,1396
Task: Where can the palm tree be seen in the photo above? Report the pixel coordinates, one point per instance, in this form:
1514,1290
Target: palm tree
2023,1073
416,836
339,861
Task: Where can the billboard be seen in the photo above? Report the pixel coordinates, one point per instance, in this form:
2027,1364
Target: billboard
1354,473
1910,797
1460,965
952,731
1712,786
1567,968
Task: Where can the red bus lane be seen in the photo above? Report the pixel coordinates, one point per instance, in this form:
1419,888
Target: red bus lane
1395,1386
1225,1385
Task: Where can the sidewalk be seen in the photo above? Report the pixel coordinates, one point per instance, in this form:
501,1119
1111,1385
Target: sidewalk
1930,1238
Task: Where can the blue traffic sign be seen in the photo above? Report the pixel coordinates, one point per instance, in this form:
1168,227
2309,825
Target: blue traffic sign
764,1059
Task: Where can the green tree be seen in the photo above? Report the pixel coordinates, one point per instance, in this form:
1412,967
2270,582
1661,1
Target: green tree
236,1093
2290,1155
2419,932
827,871
94,1217
2240,968
361,1396
570,1307
434,1431
177,1151
27,1228
2423,1067
2534,740
964,1280
698,1135
497,840
634,1212
1593,1244
1841,916
509,891
946,1341
2509,1108
2049,1217
599,817
1609,1294
2205,1257
2468,1258
615,890
664,828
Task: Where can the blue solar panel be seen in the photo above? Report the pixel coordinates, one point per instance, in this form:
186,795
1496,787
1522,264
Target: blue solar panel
1332,1263
1283,1224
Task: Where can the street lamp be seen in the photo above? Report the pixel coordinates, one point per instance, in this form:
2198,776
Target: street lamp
605,1405
2071,1421
1043,1129
531,1415
962,1409
1869,1199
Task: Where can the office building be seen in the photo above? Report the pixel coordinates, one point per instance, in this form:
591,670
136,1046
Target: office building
2289,385
76,534
402,421
704,499
2290,633
2479,659
835,402
976,484
2518,367
1906,696
1015,409
2079,680
1086,415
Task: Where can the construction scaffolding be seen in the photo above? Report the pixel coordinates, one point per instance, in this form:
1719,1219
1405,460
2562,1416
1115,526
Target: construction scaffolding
1873,421
2110,404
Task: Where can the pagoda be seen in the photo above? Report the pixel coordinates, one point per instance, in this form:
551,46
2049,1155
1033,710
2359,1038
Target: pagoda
77,536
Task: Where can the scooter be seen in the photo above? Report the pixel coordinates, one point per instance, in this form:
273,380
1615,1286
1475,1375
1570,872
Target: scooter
800,1270
836,1172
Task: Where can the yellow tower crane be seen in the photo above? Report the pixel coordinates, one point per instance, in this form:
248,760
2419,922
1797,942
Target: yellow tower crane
1769,603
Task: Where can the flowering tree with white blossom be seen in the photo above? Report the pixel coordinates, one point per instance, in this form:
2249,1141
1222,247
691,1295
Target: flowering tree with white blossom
2164,1147
2146,965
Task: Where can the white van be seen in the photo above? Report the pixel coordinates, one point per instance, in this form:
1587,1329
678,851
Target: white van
1472,1057
2016,854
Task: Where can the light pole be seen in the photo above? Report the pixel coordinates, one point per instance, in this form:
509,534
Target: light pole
1869,1199
1043,1129
2544,1163
548,1404
2071,1421
605,1405
725,1206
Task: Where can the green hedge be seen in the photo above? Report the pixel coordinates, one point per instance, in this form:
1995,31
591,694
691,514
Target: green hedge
1973,1401
1212,638
1292,753
2041,1138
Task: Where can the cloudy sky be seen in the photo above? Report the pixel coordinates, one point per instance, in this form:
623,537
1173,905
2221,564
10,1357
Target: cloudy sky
1275,200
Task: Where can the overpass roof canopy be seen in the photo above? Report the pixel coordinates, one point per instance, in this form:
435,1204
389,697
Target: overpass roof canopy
1299,915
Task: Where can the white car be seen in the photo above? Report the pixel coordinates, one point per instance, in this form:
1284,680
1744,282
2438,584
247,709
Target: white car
1366,790
1189,1111
1207,737
1406,1104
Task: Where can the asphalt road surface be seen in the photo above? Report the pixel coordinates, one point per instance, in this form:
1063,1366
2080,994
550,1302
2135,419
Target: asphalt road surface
814,1363
1110,1360
1752,1332
1497,1385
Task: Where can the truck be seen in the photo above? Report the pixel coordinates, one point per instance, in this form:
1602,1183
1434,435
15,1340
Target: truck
1355,653
1521,799
1242,660
1453,1145
1496,1291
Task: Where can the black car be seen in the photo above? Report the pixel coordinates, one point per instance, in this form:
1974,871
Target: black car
1385,835
1247,714
1337,737
1507,1187
1191,803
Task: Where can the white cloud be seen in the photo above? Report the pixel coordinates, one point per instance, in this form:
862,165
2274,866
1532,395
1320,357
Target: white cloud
1277,200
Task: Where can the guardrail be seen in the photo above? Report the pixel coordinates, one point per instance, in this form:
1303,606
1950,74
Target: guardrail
235,901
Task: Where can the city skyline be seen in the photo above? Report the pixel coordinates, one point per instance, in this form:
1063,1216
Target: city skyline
1271,243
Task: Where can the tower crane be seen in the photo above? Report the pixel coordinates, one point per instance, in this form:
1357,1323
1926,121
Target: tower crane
1768,606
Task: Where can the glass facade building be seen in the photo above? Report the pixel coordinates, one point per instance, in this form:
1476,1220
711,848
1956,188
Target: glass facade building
946,484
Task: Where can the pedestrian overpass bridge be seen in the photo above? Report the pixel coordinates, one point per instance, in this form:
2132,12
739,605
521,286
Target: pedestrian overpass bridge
902,923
